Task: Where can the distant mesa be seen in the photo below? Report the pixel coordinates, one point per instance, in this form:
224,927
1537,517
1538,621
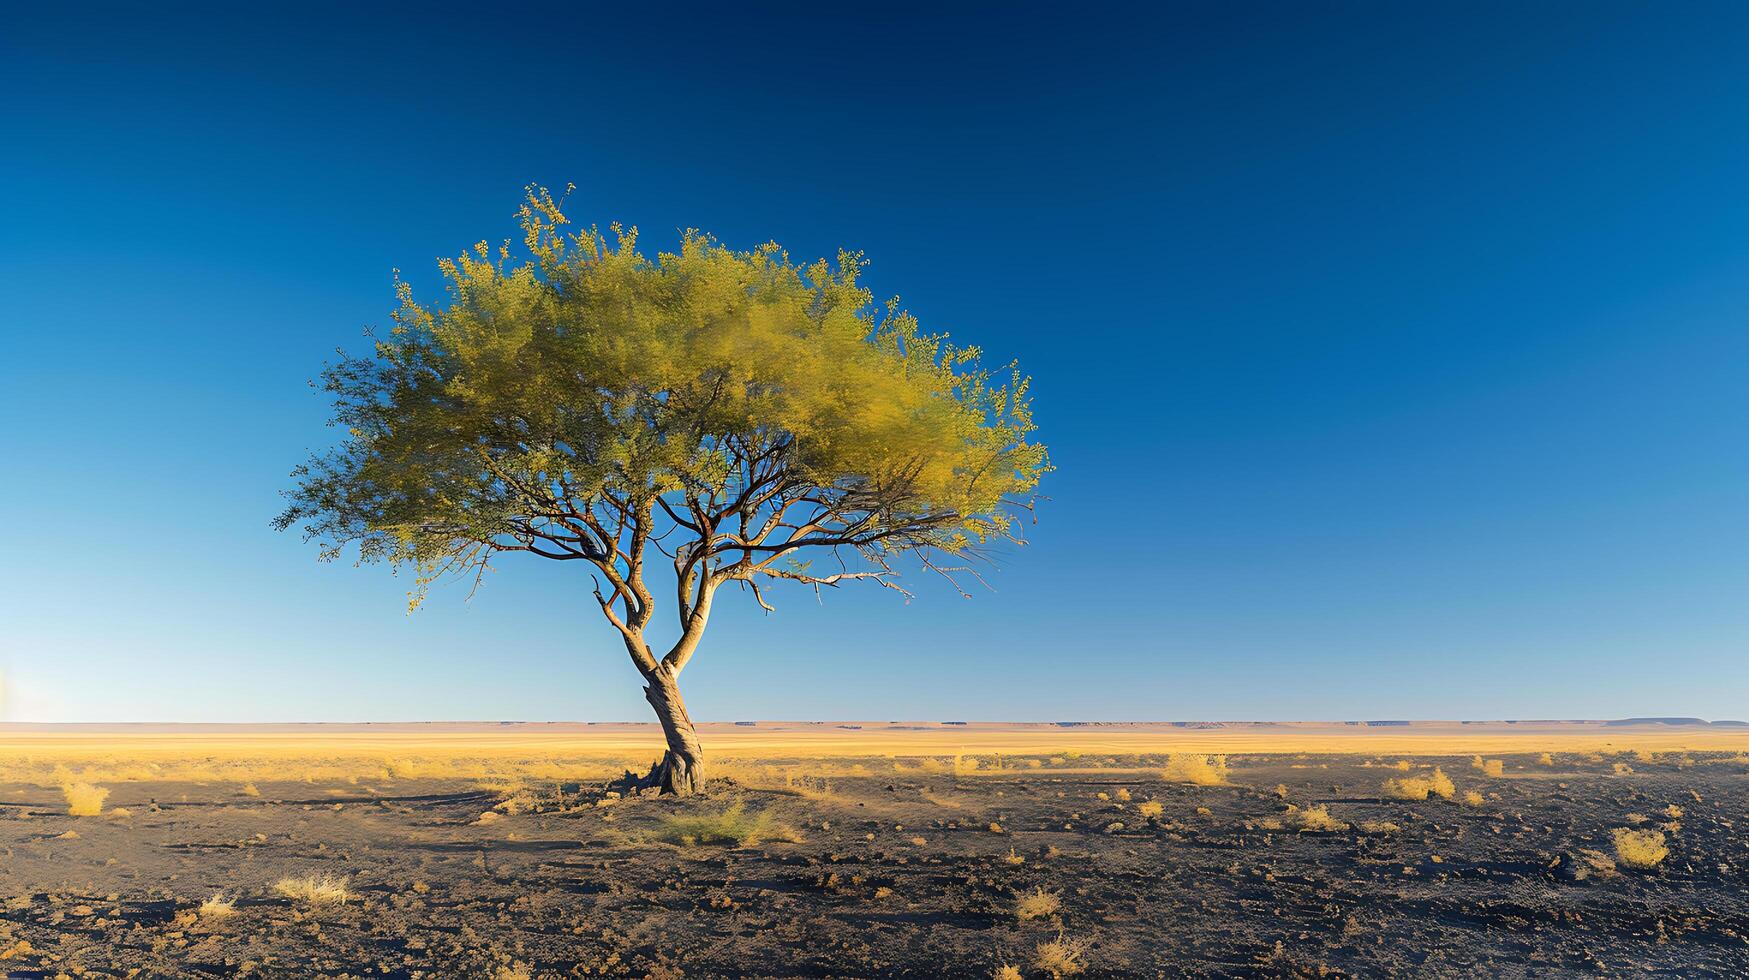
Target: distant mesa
1381,724
746,724
953,723
1656,721
1071,724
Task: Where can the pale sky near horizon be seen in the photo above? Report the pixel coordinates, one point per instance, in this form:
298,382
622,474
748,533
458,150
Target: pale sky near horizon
1393,356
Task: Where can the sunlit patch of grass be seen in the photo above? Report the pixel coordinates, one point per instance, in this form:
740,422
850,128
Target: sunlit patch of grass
1037,904
1315,819
1061,957
1379,827
314,889
1622,769
1640,849
1436,783
84,799
1198,770
733,826
218,907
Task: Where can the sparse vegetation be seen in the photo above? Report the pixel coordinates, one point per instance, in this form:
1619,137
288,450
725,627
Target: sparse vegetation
218,907
1151,809
314,889
1489,767
1037,904
1436,783
1640,849
1199,770
1061,957
733,826
1315,819
84,799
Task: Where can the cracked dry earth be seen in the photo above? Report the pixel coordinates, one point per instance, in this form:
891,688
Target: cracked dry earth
903,870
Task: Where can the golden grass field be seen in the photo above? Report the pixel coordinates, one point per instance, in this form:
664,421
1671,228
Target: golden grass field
40,754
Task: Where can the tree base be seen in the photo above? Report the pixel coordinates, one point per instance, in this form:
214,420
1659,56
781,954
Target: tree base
672,775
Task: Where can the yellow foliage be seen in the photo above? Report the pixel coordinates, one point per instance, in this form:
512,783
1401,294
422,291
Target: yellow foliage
1420,787
1060,958
1037,904
1200,770
314,889
1642,849
218,907
1152,809
1491,767
84,799
1313,818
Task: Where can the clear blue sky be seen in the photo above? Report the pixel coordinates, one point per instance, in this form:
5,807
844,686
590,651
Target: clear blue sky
1393,355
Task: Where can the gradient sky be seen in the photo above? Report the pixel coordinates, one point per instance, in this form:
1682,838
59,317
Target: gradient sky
1393,356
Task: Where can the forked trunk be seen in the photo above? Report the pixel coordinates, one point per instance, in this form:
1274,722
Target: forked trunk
681,771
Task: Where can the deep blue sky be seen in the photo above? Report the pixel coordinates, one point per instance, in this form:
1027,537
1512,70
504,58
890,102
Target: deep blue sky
1393,355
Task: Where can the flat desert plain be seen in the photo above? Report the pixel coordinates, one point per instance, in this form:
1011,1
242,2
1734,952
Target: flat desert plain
877,849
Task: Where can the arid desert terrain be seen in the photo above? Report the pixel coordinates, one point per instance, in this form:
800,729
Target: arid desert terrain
877,849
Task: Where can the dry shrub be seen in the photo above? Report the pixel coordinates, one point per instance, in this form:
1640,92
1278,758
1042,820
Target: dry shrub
1006,972
1641,849
218,907
250,789
1546,759
1316,819
1436,783
84,799
1489,767
1012,858
1622,769
1060,958
1037,904
315,889
1379,827
1473,798
1199,770
1151,810
734,827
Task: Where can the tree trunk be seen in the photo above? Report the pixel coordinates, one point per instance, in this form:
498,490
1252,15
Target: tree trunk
681,771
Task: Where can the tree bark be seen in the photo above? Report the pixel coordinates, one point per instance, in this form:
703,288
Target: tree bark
681,771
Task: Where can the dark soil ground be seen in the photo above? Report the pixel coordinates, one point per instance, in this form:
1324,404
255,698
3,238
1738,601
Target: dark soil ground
906,872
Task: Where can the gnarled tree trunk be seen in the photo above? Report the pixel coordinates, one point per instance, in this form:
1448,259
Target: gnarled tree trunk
681,771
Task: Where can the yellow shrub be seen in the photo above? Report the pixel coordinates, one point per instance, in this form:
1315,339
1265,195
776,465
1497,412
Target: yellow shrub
1200,770
218,907
1006,972
1060,958
315,889
1546,759
1491,767
1641,849
84,799
1151,809
1473,798
1314,818
1037,904
1420,787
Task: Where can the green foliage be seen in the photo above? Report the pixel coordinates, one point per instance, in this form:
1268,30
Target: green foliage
582,399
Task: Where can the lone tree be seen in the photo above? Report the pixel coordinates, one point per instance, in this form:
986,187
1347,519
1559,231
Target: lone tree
741,415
